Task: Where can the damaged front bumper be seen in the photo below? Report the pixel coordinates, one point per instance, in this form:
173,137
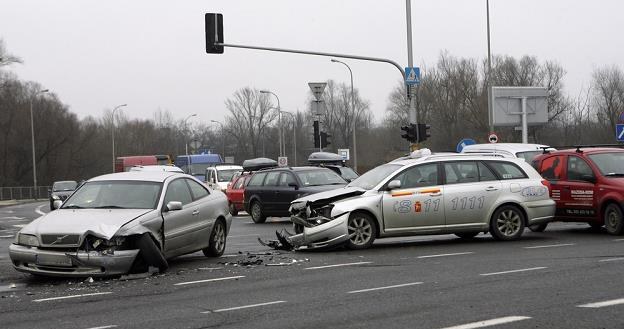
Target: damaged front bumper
71,264
329,234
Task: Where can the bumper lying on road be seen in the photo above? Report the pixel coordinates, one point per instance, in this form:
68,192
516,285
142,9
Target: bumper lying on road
71,264
330,234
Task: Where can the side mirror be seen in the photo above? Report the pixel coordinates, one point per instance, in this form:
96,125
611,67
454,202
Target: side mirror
395,184
589,178
57,204
294,185
173,205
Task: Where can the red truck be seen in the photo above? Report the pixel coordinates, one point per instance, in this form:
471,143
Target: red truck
126,162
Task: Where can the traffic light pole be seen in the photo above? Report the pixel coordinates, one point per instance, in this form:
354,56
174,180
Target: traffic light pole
410,95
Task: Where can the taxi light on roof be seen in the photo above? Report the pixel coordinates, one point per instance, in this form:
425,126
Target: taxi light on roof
420,153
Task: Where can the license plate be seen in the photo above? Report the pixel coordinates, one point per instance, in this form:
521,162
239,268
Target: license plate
54,260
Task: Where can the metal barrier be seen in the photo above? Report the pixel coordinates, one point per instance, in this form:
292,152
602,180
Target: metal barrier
24,193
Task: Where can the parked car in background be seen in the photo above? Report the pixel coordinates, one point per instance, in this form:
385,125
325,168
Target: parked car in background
235,190
509,150
61,190
587,183
124,222
334,162
220,175
270,191
425,193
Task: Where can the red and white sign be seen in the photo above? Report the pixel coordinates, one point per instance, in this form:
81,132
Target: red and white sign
492,138
282,161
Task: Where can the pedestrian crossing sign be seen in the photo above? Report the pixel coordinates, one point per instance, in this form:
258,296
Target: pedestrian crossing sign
412,75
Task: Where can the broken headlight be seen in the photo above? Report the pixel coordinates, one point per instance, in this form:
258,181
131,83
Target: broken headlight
106,246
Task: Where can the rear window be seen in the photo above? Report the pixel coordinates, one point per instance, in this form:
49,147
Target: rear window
507,170
256,179
528,156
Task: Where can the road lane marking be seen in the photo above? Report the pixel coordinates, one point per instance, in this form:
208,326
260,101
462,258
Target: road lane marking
618,240
242,235
38,210
611,259
105,327
551,246
228,256
243,307
514,271
209,280
336,265
386,287
489,323
7,236
72,296
603,304
445,255
20,225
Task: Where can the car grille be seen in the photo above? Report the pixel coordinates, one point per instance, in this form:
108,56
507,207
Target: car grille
60,240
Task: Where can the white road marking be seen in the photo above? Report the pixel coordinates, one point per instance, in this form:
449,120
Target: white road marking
13,218
514,271
603,304
209,280
488,323
19,225
444,255
38,210
104,327
611,259
386,287
618,240
242,235
72,296
243,307
7,236
337,265
551,246
228,256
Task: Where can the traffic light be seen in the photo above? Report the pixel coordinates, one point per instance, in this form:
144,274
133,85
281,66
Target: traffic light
317,142
423,132
214,33
410,133
325,139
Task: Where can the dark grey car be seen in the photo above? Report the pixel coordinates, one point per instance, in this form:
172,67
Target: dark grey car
61,190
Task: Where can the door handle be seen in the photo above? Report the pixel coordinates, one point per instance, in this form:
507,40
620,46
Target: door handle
195,212
435,194
491,188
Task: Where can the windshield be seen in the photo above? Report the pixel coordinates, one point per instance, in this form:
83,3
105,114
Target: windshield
225,175
528,155
64,186
319,177
374,176
115,194
348,173
609,164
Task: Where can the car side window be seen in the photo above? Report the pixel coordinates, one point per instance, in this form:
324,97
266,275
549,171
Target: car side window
552,167
197,189
485,174
239,183
507,170
461,172
271,179
256,179
419,176
577,168
286,178
178,191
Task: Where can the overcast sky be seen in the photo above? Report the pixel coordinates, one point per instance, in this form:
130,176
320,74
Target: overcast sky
151,55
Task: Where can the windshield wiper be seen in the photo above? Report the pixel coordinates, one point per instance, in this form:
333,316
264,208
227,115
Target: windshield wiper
73,206
109,207
612,174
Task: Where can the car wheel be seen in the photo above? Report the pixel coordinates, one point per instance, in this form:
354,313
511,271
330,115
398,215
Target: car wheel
233,210
613,219
362,229
538,227
467,235
151,253
216,246
507,223
256,213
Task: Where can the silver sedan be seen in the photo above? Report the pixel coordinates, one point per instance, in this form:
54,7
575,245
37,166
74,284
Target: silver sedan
124,222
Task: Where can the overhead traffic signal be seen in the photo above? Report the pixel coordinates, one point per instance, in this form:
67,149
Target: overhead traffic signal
214,33
423,132
317,141
325,139
410,132
416,133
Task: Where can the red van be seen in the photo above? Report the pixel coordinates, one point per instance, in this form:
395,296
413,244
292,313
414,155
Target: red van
126,162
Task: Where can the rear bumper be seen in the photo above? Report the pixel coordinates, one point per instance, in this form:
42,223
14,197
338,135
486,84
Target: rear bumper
540,212
70,264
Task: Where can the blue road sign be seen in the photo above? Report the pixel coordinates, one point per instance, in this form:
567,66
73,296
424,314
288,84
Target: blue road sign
619,132
463,143
412,75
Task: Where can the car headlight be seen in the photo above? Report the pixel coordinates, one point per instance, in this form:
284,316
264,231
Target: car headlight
55,197
27,240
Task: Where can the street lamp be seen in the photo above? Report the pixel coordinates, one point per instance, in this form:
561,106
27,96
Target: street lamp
354,114
188,159
222,136
32,135
279,110
294,137
113,131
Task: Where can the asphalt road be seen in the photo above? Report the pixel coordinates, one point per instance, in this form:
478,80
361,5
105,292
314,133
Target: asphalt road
567,277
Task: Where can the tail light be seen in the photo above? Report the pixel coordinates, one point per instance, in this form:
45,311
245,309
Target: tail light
546,183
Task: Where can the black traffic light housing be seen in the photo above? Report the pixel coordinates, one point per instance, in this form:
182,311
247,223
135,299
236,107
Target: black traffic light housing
317,142
325,139
214,33
423,132
410,132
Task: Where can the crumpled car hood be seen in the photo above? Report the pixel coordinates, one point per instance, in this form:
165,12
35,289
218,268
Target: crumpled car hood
328,197
103,223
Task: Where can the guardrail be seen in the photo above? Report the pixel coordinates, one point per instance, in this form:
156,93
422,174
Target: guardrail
24,192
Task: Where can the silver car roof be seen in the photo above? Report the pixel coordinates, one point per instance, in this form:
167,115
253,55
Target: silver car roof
149,176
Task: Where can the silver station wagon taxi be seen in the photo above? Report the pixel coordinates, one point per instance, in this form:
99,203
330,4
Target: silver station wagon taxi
124,222
425,193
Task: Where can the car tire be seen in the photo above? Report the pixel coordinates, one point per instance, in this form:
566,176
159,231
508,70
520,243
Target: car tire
613,220
507,223
151,253
538,227
256,213
216,245
232,209
361,229
467,235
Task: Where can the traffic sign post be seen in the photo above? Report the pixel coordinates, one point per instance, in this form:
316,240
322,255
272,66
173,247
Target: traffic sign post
344,153
282,161
619,132
493,138
463,143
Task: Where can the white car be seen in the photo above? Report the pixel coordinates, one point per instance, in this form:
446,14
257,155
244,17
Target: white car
157,168
219,176
425,194
509,150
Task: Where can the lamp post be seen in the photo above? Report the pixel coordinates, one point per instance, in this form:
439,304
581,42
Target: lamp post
32,135
188,159
279,112
294,138
222,136
113,131
354,114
